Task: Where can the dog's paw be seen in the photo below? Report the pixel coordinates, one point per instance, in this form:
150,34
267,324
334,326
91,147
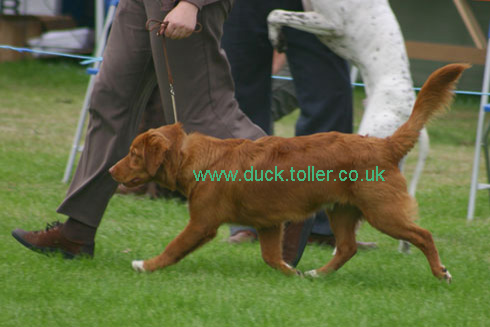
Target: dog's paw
447,276
278,40
276,36
138,265
311,273
281,44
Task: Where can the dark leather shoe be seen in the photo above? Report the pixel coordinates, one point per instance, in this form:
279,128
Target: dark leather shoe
294,240
51,240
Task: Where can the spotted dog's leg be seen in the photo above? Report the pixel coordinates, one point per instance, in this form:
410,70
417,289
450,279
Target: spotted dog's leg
423,153
424,145
305,21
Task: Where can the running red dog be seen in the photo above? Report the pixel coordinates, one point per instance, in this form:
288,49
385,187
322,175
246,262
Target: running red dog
173,158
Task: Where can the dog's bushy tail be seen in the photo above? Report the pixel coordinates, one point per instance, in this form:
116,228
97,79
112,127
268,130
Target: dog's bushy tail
435,96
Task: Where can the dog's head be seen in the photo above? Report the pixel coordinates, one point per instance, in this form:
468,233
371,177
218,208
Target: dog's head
152,156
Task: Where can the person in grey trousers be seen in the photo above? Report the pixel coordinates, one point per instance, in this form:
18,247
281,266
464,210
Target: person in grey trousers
133,63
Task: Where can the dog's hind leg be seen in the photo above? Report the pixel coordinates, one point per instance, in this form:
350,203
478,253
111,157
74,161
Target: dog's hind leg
271,245
192,237
343,220
393,221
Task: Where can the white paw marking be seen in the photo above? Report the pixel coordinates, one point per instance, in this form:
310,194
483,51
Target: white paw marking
448,277
312,273
138,265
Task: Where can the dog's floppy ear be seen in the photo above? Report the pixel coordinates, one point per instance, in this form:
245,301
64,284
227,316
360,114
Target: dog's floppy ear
156,145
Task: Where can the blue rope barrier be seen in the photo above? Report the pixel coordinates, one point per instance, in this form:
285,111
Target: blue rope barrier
289,78
88,59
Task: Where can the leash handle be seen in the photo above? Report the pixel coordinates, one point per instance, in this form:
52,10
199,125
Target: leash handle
153,24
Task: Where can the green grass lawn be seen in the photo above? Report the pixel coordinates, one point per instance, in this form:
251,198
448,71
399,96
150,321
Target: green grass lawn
221,284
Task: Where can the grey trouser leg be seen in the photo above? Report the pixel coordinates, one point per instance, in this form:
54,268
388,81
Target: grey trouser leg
204,96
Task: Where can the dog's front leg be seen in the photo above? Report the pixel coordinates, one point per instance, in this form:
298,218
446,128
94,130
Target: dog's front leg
192,237
271,246
312,22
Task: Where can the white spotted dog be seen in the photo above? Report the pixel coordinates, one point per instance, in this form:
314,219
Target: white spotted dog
366,33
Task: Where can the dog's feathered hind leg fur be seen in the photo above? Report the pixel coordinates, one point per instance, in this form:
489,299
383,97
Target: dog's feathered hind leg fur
398,224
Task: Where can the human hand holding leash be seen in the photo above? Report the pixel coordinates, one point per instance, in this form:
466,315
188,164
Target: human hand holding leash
180,22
